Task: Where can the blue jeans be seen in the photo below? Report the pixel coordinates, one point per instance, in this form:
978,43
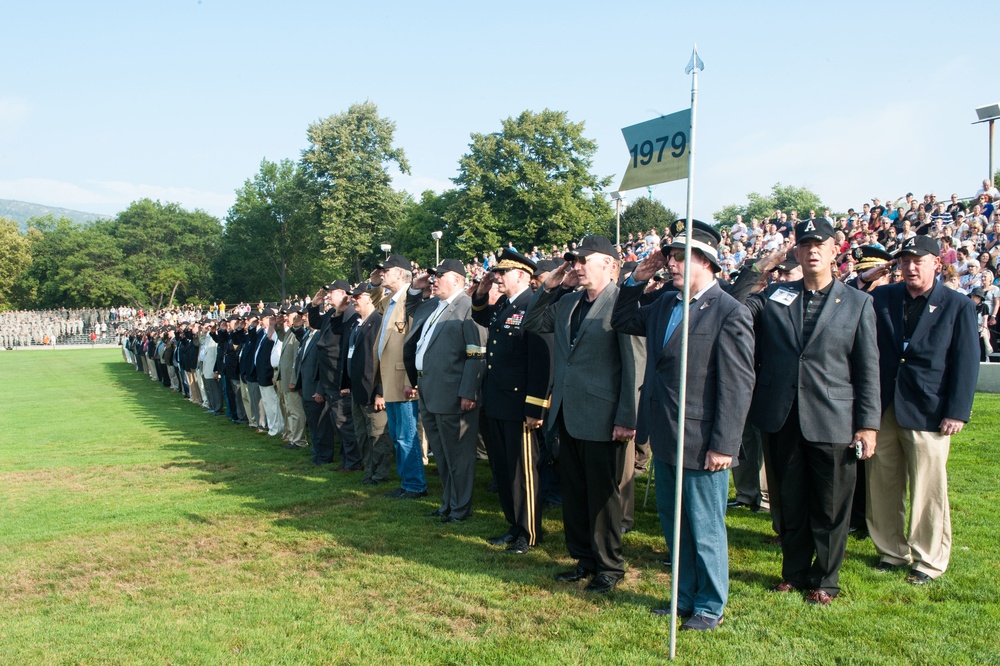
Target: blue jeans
703,578
409,455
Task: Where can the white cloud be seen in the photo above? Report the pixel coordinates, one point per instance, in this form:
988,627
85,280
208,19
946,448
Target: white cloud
109,197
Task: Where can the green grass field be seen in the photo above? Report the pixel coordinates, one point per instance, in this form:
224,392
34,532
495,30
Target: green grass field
136,529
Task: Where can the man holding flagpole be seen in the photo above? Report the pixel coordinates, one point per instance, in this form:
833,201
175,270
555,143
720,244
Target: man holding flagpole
719,386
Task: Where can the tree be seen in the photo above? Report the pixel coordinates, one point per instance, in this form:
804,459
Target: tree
529,183
786,198
166,250
642,215
269,245
15,257
420,220
347,161
73,266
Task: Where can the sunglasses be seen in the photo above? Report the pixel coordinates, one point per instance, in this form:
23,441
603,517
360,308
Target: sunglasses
578,260
500,271
678,257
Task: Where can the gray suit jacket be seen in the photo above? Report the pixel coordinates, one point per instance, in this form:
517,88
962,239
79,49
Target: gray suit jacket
720,375
834,376
597,380
453,361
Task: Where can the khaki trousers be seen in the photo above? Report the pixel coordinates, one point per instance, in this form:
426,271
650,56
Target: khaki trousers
917,458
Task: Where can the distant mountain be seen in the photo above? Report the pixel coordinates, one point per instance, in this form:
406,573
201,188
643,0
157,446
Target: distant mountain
21,211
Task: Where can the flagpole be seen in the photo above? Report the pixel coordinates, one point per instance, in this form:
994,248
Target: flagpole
694,66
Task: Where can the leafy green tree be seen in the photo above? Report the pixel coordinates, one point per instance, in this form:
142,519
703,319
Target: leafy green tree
420,220
348,162
530,183
785,198
642,215
73,266
168,252
15,257
270,245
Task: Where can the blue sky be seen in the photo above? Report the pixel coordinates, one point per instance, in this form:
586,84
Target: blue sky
102,103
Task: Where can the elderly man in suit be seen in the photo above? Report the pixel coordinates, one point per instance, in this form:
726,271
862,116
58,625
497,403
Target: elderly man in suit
360,382
444,360
817,404
594,394
929,364
330,347
395,275
291,404
309,383
720,379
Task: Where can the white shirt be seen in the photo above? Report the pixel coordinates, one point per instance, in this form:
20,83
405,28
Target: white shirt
429,327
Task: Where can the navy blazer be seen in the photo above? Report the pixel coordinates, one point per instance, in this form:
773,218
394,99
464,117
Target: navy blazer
720,374
935,376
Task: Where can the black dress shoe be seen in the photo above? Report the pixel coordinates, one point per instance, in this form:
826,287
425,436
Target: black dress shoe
451,519
502,540
519,546
394,494
602,583
437,513
579,573
410,494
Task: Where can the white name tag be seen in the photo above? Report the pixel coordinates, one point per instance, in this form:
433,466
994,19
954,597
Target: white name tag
784,296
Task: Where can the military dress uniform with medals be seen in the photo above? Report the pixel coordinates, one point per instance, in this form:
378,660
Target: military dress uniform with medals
515,386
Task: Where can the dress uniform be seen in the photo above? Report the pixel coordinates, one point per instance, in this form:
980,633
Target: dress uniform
515,388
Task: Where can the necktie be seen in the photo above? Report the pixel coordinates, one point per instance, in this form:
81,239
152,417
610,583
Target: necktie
675,319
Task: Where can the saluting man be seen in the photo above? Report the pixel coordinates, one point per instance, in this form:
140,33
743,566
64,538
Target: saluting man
515,396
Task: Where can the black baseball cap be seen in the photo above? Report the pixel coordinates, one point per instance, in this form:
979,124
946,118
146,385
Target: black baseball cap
396,261
338,284
818,229
918,246
362,288
788,265
453,265
545,266
593,244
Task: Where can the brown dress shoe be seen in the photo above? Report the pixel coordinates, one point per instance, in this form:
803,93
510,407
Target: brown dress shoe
819,597
783,586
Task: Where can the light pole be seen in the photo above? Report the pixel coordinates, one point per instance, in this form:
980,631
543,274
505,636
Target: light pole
617,197
988,114
436,235
387,249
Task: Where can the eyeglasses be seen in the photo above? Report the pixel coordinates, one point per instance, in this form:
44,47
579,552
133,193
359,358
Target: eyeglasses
678,257
500,271
578,260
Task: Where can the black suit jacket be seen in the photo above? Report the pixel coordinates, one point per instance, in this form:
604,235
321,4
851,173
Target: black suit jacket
720,374
833,377
359,369
935,376
518,370
331,345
